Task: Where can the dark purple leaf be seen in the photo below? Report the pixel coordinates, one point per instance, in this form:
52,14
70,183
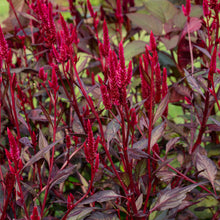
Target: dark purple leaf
171,143
171,198
161,108
25,141
193,83
62,175
42,144
102,196
206,167
111,130
136,153
40,154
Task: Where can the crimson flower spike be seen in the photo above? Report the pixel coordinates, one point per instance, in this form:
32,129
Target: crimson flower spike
106,44
205,8
91,147
187,9
65,30
157,83
14,149
52,28
54,82
3,46
119,12
90,8
105,96
164,83
212,68
153,45
122,65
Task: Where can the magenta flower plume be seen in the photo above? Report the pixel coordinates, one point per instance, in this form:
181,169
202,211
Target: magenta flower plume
187,9
106,44
157,83
42,74
205,8
90,8
54,82
153,45
122,66
91,147
14,149
66,33
212,68
118,13
105,97
3,46
47,24
164,83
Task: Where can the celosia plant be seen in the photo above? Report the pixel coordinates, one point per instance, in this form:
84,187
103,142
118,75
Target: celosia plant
110,110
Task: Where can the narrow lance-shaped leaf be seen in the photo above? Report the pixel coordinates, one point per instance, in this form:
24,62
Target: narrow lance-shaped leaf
156,134
169,199
193,83
161,108
62,175
112,129
102,196
206,167
170,143
40,154
42,144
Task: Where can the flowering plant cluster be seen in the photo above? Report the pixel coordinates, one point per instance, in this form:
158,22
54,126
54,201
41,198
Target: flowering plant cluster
110,110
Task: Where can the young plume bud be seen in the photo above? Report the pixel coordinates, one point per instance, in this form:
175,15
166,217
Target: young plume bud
35,215
187,9
153,44
54,82
42,74
90,8
70,200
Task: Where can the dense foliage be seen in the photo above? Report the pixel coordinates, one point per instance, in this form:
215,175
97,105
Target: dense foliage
110,110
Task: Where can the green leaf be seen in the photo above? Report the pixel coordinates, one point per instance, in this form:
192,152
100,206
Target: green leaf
134,48
112,129
161,9
170,43
147,22
140,168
